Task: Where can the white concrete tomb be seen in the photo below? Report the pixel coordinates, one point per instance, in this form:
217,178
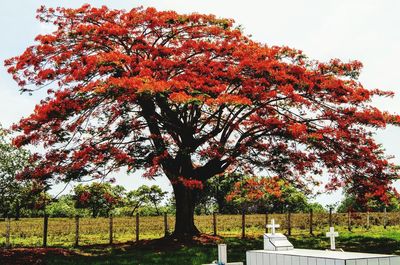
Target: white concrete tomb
317,257
279,251
275,241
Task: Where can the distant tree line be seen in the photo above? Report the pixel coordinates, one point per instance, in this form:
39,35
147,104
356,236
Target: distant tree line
101,199
224,194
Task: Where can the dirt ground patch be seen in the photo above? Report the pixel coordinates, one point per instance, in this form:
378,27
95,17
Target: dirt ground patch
30,256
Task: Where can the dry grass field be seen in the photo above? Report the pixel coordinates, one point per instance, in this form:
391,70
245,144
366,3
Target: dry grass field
28,232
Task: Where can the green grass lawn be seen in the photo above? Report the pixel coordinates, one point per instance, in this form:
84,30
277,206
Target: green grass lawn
376,240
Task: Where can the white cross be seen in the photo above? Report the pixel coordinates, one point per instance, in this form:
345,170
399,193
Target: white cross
273,226
332,234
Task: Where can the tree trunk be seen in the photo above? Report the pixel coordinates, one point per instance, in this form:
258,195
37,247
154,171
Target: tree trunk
185,204
17,210
157,211
94,212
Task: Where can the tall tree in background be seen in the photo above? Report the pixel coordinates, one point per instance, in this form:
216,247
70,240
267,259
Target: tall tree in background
191,97
374,204
145,195
99,198
137,198
14,194
214,193
268,194
156,195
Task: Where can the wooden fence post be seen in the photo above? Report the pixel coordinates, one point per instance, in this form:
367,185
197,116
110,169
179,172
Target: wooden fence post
349,221
8,232
330,217
243,224
137,227
266,222
166,229
368,223
76,230
311,221
111,230
289,223
45,229
214,224
384,218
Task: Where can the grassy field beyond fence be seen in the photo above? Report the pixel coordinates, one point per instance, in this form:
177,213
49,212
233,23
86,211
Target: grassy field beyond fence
62,231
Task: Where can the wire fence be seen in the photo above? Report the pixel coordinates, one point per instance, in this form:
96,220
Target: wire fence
35,232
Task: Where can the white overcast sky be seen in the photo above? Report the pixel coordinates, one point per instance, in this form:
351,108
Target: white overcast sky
366,30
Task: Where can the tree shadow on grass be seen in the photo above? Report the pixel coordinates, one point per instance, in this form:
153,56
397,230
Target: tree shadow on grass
164,252
195,254
143,252
370,244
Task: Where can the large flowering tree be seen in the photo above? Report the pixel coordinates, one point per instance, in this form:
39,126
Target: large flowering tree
191,97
